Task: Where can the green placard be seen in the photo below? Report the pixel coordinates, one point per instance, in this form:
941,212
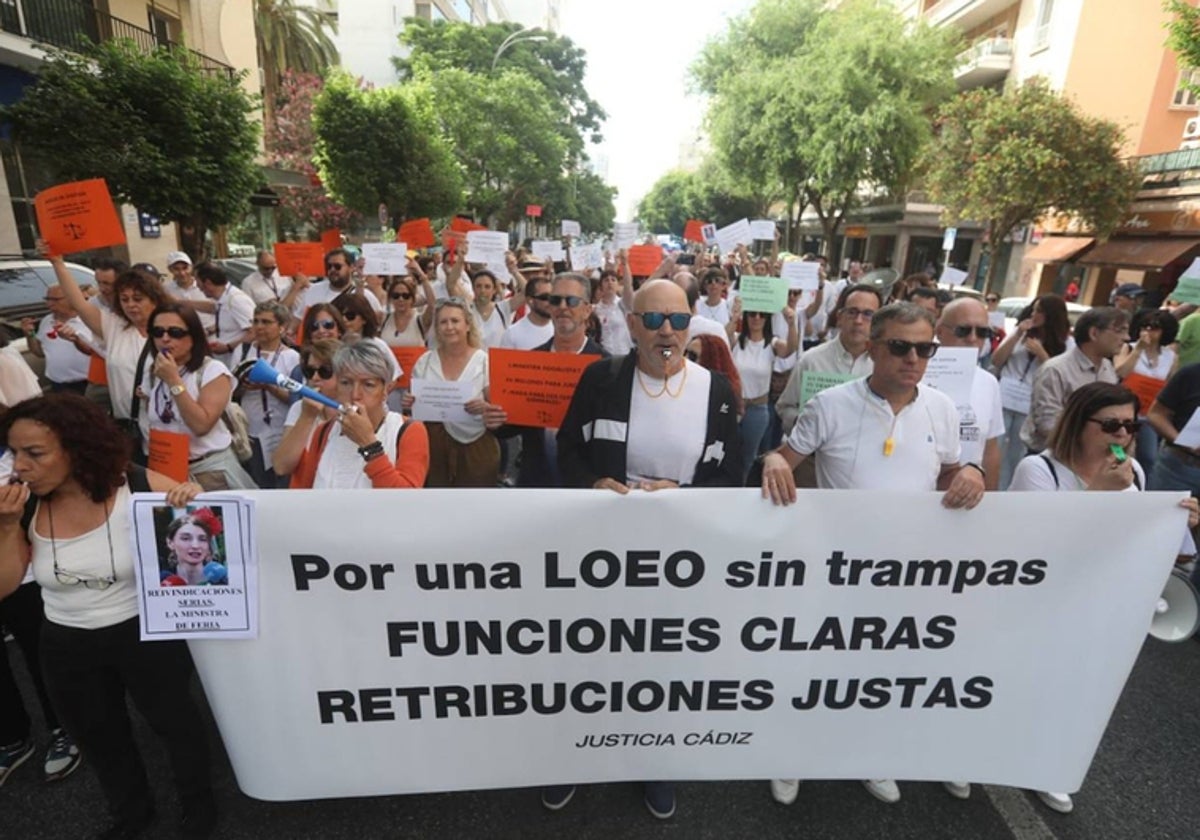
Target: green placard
813,382
1188,290
762,294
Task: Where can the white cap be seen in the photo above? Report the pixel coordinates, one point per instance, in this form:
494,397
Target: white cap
178,257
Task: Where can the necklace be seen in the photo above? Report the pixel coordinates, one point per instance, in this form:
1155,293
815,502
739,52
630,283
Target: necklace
70,578
665,386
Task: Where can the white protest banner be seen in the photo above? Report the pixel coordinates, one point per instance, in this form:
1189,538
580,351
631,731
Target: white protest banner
851,635
624,234
385,258
441,402
763,229
953,276
196,568
570,227
733,235
587,256
951,371
801,274
547,249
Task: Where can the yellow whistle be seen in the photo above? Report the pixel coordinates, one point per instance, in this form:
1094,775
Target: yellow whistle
889,446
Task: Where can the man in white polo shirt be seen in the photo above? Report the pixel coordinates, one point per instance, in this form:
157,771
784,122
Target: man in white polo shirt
63,340
183,286
879,433
536,328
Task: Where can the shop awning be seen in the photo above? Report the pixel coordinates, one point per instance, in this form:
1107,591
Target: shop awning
1058,248
1148,254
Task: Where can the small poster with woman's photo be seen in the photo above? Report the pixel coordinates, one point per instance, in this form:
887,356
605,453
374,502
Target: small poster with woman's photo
196,571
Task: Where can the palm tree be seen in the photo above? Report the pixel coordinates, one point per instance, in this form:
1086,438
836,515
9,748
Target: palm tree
291,37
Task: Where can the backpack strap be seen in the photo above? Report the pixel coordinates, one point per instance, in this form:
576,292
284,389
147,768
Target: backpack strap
135,405
137,479
1050,466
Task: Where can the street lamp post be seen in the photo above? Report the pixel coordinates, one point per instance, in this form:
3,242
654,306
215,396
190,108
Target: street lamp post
521,35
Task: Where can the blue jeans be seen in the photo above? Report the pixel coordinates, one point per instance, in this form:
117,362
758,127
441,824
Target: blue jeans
1147,447
753,429
1173,471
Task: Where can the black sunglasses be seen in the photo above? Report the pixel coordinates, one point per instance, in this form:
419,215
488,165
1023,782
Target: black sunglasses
543,297
350,316
174,332
401,296
964,330
899,347
992,300
323,372
324,325
570,301
654,320
1111,425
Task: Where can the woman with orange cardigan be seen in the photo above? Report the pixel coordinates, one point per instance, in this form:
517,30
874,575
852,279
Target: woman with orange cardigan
366,446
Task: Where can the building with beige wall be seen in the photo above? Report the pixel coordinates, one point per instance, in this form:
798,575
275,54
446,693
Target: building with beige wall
220,32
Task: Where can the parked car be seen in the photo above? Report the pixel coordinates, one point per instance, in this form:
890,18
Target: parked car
1012,306
23,285
238,268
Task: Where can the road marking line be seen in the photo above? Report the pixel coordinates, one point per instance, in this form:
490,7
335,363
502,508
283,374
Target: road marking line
1019,815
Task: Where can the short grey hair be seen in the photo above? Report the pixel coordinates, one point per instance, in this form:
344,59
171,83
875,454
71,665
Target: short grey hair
363,358
278,311
902,313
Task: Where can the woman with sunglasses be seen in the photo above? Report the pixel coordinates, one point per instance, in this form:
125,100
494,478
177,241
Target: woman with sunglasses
1042,332
186,393
1144,368
367,445
461,453
358,315
321,321
316,371
1082,454
754,351
403,325
266,406
69,519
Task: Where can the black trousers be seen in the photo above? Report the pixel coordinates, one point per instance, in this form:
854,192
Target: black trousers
88,673
21,612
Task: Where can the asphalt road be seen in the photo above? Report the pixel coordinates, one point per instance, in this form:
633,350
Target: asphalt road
1142,786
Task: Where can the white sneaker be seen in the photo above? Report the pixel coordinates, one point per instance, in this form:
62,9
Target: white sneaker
1060,802
785,791
885,790
959,790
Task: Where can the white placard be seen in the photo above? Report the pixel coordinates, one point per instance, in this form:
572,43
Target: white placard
385,258
801,274
763,229
709,232
197,579
570,227
673,625
442,402
587,256
951,371
624,234
485,241
1016,394
731,236
547,248
953,276
1189,435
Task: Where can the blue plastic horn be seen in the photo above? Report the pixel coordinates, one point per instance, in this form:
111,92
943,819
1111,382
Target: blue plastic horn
258,372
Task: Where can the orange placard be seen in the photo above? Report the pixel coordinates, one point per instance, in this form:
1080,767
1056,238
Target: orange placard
300,258
533,386
1146,388
693,231
644,259
97,370
330,239
461,224
407,357
78,216
169,454
416,233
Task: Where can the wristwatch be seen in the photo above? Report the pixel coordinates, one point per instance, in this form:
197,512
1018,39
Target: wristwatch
176,390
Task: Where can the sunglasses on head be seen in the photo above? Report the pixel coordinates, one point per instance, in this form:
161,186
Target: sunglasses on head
1111,425
570,301
326,324
401,296
174,332
320,372
654,320
965,330
899,347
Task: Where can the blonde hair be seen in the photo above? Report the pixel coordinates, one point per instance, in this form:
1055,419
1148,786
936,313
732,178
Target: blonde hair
474,336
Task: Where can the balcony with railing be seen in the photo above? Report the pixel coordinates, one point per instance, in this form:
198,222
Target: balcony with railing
985,63
73,24
963,14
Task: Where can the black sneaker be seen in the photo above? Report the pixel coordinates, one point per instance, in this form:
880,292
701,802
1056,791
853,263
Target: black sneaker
13,756
660,799
62,757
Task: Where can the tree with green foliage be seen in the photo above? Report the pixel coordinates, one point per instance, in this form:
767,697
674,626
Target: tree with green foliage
291,37
590,202
1008,159
1183,35
704,194
168,137
811,105
383,146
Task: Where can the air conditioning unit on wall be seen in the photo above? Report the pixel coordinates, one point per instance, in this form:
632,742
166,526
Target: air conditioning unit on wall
1191,129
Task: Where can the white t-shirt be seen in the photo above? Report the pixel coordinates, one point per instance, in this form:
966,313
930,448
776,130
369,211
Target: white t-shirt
429,366
322,292
410,336
719,312
666,434
17,380
754,362
90,556
64,362
526,335
614,330
492,330
341,467
848,427
262,289
123,347
191,293
265,412
234,315
982,420
161,412
779,328
1032,473
706,326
